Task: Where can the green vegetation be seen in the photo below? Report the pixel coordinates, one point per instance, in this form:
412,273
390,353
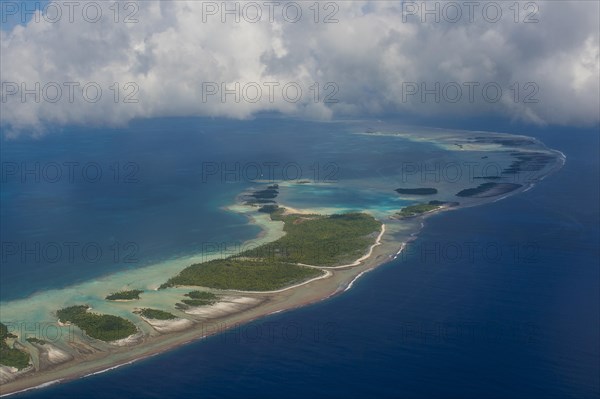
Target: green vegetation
194,303
416,210
265,196
11,357
319,240
271,208
488,190
310,239
124,295
204,295
482,188
237,274
156,314
435,202
277,214
198,298
99,326
275,211
3,331
417,191
34,340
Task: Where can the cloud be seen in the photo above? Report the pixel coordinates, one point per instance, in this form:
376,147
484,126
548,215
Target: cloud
380,58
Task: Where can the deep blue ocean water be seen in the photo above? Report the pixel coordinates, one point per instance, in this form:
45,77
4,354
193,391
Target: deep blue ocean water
495,301
83,203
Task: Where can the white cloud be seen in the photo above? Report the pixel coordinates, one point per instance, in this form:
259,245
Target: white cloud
372,56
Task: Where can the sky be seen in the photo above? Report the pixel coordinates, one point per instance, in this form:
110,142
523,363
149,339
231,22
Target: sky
105,63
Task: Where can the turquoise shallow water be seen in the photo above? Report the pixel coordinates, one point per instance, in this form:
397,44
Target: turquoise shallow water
349,199
79,205
422,326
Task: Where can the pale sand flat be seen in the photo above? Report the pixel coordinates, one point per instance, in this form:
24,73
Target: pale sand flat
242,299
8,374
55,355
216,310
166,326
133,339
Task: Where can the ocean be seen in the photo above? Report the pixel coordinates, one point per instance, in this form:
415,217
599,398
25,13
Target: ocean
495,301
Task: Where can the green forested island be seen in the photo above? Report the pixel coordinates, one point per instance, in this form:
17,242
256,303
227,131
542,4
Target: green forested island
155,314
241,274
11,357
124,295
99,326
319,240
200,298
488,190
482,188
416,210
310,239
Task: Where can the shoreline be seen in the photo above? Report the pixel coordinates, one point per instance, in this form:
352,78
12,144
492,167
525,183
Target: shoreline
277,301
347,276
336,280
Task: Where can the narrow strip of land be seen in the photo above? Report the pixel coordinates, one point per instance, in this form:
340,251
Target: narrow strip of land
359,260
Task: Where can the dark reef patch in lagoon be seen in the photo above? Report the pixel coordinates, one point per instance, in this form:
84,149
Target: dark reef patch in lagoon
417,191
265,196
488,190
532,162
